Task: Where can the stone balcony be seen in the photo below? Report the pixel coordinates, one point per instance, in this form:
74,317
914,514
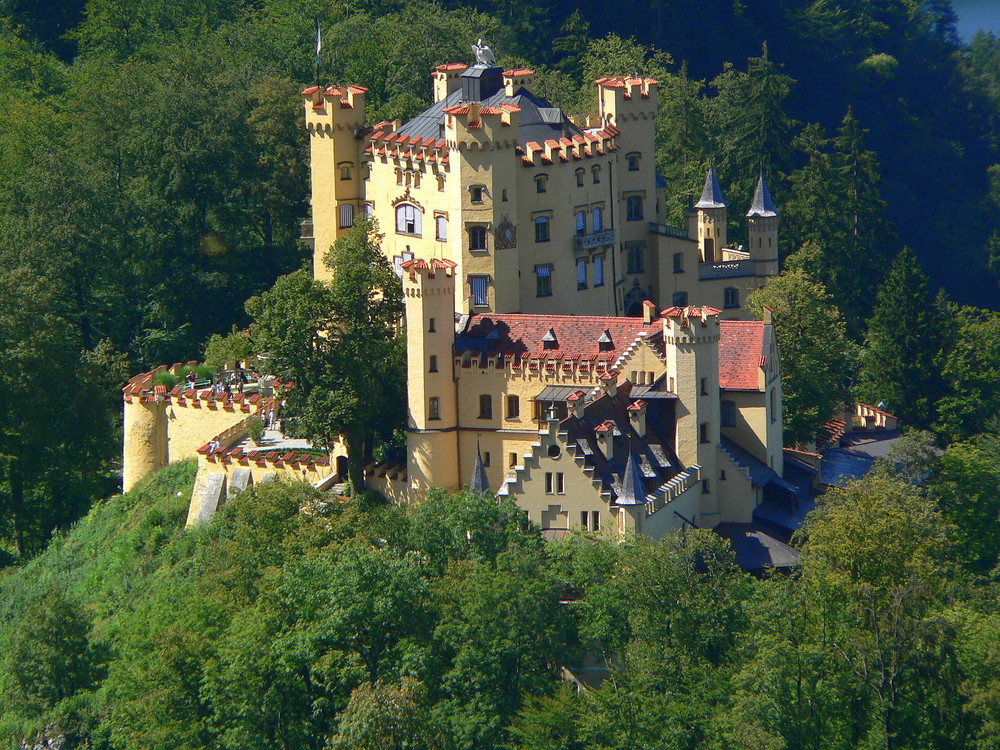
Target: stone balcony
594,239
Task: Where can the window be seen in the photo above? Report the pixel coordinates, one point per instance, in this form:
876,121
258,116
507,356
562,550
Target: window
598,270
486,458
399,176
731,297
581,274
703,432
503,195
633,208
590,520
440,179
543,281
480,294
486,406
772,399
542,229
440,228
554,483
408,220
598,216
728,413
512,459
369,210
680,299
704,386
579,176
596,172
513,407
346,213
433,408
477,238
476,193
635,258
633,162
678,262
433,366
432,325
541,183
345,171
704,487
581,222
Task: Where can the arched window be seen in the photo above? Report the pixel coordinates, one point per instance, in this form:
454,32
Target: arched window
541,183
579,176
440,228
407,219
581,222
596,172
598,216
731,297
542,229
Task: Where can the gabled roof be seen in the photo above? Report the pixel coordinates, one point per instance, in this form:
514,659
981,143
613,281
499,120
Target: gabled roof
762,204
576,336
743,350
711,194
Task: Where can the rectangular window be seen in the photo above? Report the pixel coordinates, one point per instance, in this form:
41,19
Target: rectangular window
678,262
581,222
433,365
728,414
595,520
476,193
598,218
432,325
598,270
486,458
703,432
345,171
549,484
704,487
704,386
477,238
513,407
581,274
633,208
554,483
512,459
480,290
635,259
542,229
433,408
346,216
440,228
543,281
486,406
633,162
680,299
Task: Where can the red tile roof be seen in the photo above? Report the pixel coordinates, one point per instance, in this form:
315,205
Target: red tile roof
741,354
520,335
519,72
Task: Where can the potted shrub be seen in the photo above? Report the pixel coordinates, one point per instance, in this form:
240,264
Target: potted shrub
255,429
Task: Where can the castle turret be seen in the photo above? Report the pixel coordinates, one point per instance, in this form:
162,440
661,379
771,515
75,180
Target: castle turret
762,231
447,79
691,335
432,442
145,438
712,218
334,116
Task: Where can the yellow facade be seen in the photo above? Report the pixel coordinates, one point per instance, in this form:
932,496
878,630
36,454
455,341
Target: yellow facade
557,217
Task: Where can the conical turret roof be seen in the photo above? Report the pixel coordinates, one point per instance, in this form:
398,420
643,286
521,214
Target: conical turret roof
632,488
762,204
711,195
479,482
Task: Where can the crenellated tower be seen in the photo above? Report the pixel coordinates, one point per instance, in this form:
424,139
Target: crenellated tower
334,118
432,440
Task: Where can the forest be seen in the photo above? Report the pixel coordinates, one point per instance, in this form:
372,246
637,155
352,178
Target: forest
153,179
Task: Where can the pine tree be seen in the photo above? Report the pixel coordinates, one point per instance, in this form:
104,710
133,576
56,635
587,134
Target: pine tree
900,361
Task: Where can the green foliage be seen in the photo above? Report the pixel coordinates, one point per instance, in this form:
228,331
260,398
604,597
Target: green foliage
255,428
816,356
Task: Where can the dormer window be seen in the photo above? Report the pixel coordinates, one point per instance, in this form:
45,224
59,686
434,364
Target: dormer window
604,343
549,340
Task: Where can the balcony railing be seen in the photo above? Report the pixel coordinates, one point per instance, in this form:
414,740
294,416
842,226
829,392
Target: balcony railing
668,231
594,239
725,269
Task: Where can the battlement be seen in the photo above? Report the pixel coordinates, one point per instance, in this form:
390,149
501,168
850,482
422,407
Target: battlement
623,98
590,145
474,125
386,143
516,79
334,107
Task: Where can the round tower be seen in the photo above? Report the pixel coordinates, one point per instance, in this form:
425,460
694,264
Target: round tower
432,434
144,447
762,231
712,220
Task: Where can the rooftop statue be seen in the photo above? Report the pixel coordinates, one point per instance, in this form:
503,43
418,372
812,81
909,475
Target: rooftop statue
484,55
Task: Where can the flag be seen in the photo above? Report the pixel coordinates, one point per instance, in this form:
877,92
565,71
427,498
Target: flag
319,41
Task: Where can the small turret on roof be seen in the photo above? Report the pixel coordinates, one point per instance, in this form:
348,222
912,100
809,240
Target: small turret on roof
711,194
762,204
631,489
479,481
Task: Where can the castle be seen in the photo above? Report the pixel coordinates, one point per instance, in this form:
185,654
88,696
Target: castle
507,220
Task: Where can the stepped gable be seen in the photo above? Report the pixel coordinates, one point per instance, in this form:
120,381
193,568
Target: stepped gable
577,337
741,354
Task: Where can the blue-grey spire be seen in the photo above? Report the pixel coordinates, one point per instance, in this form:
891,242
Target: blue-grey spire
632,488
762,204
711,195
479,482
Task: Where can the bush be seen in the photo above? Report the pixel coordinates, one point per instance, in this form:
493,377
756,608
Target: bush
255,428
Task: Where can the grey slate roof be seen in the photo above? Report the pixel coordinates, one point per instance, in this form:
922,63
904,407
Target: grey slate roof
762,204
631,490
755,549
479,481
540,121
711,194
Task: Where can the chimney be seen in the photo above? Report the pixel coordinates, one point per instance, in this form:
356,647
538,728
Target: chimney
648,311
609,383
637,417
577,403
605,432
